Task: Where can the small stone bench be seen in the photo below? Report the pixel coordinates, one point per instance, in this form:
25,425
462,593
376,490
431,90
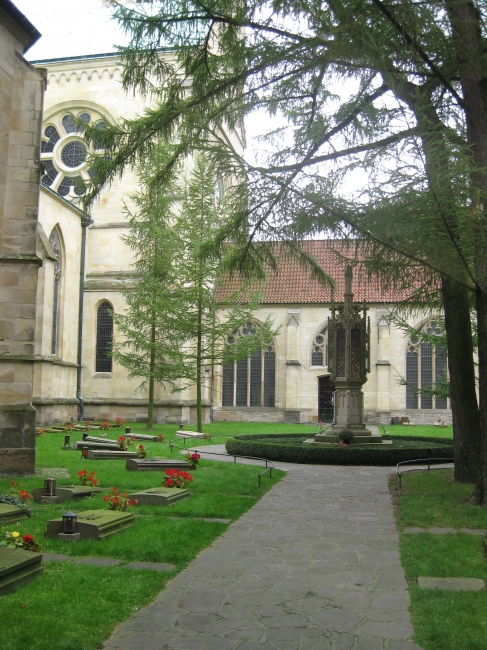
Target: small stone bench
148,465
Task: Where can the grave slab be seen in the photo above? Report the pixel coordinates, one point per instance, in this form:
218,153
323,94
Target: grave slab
96,439
97,561
10,513
101,454
160,496
17,567
152,464
191,434
94,524
141,436
452,584
68,492
108,446
153,566
56,557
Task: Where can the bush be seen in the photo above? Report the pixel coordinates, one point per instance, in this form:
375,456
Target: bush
289,449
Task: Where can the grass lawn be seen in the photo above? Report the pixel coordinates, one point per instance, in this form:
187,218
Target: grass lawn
75,607
443,620
425,430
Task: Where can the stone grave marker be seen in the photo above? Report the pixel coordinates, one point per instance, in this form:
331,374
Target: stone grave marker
191,434
17,567
106,441
152,464
10,513
102,454
94,524
160,496
106,446
141,436
68,492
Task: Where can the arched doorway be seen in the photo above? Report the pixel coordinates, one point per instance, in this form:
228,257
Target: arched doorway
326,407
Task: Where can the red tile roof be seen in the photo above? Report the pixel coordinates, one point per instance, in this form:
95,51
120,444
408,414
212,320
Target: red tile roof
291,283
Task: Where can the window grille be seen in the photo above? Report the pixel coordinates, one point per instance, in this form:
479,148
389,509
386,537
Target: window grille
250,381
56,246
425,365
340,352
355,343
104,338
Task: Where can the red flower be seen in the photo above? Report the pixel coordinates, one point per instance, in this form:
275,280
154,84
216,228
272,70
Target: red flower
28,539
12,483
82,472
169,482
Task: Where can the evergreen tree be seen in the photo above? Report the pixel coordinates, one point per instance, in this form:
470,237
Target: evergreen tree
412,118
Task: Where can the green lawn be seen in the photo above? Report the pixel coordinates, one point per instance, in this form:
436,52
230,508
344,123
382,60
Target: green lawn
426,430
73,607
443,620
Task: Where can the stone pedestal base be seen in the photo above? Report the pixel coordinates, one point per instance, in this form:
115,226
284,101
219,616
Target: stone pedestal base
45,499
69,537
17,440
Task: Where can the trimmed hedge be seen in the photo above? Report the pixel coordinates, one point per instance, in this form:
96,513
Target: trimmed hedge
289,449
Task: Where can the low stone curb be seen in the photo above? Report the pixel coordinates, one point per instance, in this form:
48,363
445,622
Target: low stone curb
445,531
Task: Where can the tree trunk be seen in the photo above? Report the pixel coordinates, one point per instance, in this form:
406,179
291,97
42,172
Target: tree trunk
150,408
479,496
463,397
198,368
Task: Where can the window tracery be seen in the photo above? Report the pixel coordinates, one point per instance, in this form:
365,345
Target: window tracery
65,154
250,381
426,364
319,351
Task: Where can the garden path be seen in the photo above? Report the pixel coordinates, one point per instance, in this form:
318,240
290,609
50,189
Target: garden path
314,565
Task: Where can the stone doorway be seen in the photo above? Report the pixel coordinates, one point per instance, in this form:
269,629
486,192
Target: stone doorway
326,408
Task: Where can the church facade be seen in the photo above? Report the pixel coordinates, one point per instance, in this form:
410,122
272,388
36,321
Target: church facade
85,263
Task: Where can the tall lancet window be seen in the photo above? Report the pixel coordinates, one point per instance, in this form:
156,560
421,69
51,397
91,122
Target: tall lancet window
58,265
104,337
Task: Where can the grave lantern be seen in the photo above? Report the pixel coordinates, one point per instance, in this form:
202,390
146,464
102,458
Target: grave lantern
181,426
67,441
50,487
85,435
84,451
127,430
69,523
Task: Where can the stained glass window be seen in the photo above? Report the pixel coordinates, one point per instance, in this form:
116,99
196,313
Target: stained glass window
425,365
319,352
73,154
55,243
53,135
50,173
250,381
104,337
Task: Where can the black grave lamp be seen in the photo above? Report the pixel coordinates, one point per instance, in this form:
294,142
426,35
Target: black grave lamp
127,431
67,441
84,451
69,522
50,487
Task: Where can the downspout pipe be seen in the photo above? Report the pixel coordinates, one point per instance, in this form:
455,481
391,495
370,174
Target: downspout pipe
85,222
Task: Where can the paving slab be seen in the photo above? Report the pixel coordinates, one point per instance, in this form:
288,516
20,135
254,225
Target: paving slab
56,557
313,565
97,561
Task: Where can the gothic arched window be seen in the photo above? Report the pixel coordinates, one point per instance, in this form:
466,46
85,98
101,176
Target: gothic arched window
426,365
250,381
319,351
58,265
104,338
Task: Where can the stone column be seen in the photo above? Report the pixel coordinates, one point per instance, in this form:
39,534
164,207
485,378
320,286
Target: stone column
291,412
21,95
383,363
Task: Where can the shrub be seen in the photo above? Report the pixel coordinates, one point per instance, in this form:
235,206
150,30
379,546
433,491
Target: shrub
289,449
346,436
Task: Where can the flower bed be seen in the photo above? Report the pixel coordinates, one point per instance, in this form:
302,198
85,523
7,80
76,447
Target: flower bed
290,449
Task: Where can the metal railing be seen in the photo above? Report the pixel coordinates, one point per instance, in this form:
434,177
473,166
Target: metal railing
268,463
419,461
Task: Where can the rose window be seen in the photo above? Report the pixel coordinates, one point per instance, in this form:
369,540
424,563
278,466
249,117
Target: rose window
65,154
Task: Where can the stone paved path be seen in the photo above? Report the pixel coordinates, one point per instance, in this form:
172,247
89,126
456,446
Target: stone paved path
314,565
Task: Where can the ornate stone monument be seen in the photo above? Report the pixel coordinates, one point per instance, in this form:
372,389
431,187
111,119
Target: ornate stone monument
349,363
